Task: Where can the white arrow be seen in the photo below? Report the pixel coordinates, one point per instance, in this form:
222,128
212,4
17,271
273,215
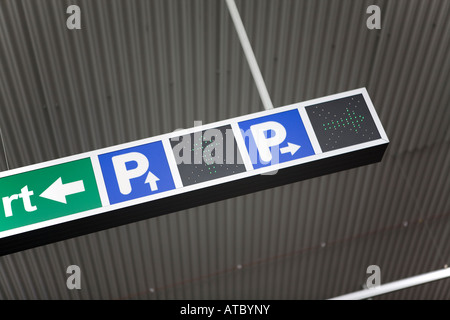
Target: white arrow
151,180
292,148
58,191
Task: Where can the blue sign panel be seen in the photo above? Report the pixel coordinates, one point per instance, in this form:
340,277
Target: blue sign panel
136,172
276,138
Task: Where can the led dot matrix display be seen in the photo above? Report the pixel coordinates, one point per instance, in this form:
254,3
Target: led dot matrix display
212,154
351,119
342,123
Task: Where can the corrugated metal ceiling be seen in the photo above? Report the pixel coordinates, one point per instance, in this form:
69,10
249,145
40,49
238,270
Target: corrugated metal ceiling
141,68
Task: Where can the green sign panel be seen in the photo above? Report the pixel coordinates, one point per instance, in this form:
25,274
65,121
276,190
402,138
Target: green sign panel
47,193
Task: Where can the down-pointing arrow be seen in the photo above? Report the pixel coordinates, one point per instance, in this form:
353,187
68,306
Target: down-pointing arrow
58,191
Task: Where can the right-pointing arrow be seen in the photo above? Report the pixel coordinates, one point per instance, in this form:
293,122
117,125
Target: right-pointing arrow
292,148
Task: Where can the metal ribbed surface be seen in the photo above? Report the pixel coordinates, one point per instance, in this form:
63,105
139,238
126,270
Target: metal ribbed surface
142,68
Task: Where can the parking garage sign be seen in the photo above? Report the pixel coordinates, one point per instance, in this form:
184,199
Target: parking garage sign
88,192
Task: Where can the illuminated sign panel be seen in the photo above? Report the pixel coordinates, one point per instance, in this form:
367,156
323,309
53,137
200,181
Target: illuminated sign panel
48,193
136,172
276,138
342,122
206,155
85,193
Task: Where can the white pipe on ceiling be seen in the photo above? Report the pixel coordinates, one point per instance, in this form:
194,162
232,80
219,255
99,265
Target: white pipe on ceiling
251,59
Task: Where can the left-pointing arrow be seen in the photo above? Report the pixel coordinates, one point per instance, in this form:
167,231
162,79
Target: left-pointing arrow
58,191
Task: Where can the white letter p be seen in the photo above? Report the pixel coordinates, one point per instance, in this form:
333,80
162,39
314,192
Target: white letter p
123,174
263,143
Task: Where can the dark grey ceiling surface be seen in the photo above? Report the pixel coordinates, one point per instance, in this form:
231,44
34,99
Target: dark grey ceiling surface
142,68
